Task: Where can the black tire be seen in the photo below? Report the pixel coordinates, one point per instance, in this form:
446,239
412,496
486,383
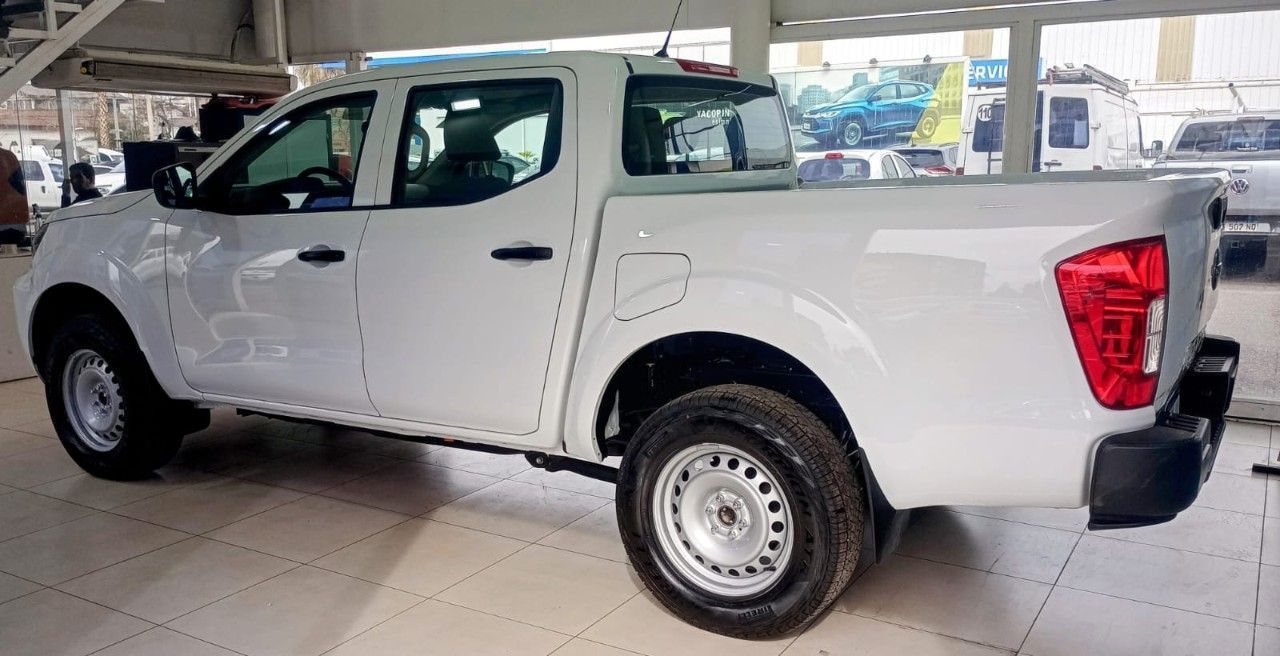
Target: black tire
812,468
842,136
928,124
149,425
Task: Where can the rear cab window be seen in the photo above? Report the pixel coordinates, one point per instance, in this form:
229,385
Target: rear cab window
1245,136
677,125
1068,122
833,169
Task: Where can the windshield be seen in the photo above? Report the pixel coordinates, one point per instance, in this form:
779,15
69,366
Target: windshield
857,93
1242,135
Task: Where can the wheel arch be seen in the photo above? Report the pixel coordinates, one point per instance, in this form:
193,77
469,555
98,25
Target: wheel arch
66,299
698,359
61,302
672,365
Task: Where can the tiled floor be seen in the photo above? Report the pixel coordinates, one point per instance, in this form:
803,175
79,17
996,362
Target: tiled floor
270,538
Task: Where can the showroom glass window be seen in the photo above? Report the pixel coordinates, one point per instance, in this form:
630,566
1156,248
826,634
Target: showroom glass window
463,143
305,160
1068,123
680,125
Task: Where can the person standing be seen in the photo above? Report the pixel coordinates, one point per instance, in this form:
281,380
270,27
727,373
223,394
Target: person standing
80,177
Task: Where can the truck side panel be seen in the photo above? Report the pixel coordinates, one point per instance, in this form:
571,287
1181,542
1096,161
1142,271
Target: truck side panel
929,310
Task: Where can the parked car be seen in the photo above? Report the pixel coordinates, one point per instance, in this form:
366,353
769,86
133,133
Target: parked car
111,180
932,160
852,165
783,372
880,109
1247,145
44,183
1085,120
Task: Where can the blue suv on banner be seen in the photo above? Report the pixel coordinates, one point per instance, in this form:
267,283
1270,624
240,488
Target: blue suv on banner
879,109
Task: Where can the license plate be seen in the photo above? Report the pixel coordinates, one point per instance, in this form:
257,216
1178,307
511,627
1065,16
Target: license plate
808,125
1247,226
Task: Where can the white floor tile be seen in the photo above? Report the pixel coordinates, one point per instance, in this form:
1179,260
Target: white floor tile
207,506
993,545
1269,596
50,622
518,510
411,488
550,588
31,468
1075,623
1244,494
593,535
308,528
421,556
163,642
840,634
303,612
1203,530
23,512
177,579
76,548
1180,579
435,628
641,625
992,609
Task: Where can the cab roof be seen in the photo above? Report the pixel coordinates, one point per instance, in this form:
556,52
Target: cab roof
573,60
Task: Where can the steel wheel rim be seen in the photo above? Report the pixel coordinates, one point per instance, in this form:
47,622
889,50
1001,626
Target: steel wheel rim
723,521
852,134
93,401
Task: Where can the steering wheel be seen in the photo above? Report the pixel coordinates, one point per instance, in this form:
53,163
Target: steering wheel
348,189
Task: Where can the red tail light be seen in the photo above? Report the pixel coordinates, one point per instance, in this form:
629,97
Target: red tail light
1114,297
959,170
691,66
833,156
938,170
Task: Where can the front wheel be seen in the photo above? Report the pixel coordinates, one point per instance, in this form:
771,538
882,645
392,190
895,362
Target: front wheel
852,134
108,410
740,511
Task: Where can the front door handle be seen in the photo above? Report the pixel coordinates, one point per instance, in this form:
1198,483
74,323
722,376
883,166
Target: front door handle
321,255
522,253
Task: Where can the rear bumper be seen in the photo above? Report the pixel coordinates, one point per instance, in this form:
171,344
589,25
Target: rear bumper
1149,476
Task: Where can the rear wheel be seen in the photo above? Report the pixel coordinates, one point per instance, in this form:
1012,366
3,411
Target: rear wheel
107,408
740,511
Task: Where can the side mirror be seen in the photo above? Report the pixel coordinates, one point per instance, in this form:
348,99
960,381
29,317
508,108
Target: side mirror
1157,147
175,186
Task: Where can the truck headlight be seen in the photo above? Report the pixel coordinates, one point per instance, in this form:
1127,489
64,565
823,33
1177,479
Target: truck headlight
826,114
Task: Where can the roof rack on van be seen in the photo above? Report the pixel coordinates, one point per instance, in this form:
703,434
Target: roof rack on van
1086,75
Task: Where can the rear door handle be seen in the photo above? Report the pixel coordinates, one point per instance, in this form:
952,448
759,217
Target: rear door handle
522,253
321,255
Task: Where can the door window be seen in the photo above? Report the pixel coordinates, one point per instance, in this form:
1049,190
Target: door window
463,143
904,169
886,165
31,171
1068,123
887,92
305,160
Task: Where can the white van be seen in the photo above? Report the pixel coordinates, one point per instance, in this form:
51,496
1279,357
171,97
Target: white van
1092,124
44,183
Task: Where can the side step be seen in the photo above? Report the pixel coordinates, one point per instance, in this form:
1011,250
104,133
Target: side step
581,467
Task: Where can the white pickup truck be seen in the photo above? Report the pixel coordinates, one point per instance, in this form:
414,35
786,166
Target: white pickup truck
1247,145
784,371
